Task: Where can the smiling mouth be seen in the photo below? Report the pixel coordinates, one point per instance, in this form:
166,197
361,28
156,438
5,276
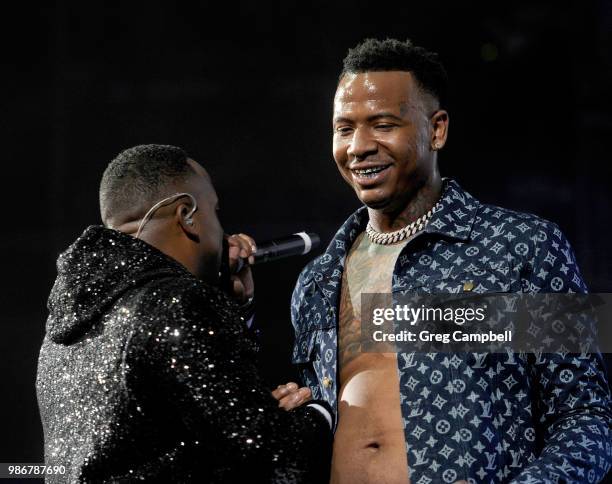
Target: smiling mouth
370,172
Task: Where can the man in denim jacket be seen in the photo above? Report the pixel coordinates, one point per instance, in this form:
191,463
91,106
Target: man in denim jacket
437,417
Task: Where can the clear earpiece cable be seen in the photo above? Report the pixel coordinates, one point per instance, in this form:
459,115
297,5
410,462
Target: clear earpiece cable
162,203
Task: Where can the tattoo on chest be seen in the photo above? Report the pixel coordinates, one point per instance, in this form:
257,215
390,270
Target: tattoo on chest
364,272
349,331
368,269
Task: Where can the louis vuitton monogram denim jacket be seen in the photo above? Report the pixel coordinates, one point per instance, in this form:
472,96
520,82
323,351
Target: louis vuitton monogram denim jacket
487,418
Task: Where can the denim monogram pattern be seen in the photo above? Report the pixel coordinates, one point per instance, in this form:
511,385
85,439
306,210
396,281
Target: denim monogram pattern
525,418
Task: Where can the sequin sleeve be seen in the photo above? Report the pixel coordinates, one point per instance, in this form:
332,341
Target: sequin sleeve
197,358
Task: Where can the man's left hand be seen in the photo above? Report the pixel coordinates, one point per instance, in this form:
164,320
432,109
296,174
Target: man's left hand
290,396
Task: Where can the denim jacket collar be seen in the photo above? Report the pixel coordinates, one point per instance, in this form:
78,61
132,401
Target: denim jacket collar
453,219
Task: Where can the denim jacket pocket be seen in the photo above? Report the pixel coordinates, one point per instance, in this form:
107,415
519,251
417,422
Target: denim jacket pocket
304,346
311,328
490,277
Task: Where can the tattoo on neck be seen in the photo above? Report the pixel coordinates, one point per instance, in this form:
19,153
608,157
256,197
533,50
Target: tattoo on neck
425,198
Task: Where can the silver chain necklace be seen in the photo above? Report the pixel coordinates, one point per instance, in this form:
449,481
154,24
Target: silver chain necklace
387,238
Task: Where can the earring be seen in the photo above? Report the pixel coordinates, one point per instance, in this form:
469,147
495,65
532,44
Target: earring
435,146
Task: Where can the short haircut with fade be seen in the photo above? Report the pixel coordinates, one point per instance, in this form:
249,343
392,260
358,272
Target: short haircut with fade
138,177
393,55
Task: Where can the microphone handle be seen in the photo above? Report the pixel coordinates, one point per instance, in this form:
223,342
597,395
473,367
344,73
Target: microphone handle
272,250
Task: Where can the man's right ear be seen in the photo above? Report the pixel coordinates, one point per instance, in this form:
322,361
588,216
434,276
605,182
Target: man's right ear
184,217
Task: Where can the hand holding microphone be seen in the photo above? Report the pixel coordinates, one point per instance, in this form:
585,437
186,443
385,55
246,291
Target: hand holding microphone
240,248
242,252
296,244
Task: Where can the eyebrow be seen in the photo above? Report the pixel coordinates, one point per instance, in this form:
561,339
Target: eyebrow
374,117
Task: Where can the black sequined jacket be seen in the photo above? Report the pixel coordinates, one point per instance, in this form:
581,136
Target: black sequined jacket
147,374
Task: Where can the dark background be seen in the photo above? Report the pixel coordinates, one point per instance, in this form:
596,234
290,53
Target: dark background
246,88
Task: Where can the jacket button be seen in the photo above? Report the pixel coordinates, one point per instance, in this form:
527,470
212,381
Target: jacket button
327,381
468,286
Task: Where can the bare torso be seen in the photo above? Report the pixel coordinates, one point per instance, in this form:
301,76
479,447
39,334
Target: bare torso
369,445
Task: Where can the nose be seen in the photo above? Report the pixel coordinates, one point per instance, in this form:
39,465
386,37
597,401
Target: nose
362,144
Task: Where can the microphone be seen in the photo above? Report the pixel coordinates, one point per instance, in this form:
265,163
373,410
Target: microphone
296,244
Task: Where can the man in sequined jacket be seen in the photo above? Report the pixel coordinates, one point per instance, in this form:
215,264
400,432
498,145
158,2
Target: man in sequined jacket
146,372
436,417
